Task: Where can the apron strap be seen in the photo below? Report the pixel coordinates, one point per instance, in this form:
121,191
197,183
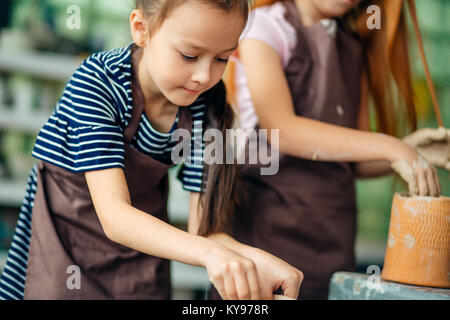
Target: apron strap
138,97
292,15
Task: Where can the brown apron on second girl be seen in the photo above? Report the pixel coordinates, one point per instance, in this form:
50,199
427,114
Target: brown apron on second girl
67,232
306,214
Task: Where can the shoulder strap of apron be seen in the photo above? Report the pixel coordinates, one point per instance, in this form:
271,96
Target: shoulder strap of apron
138,98
292,14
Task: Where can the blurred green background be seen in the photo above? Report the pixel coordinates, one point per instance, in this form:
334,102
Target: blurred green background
39,51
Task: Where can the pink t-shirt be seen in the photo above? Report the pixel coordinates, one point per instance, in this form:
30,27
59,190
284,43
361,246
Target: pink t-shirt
269,25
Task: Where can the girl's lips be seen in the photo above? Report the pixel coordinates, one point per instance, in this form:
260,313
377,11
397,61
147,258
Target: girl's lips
191,91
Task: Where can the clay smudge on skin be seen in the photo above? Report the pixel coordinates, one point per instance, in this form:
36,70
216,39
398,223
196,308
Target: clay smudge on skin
318,155
421,163
407,173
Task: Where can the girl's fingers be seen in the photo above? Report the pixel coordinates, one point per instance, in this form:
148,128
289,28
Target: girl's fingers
292,288
422,182
242,286
425,137
438,183
406,171
292,284
255,289
266,293
438,134
432,183
229,286
432,135
291,292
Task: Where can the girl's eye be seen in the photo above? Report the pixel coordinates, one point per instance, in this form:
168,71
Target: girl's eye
222,60
189,58
194,58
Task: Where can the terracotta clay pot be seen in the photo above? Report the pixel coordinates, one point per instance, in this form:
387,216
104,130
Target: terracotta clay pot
418,249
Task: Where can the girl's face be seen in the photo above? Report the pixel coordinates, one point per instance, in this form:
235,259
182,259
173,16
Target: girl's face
334,8
188,54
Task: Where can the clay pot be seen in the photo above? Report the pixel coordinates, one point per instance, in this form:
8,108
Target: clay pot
418,249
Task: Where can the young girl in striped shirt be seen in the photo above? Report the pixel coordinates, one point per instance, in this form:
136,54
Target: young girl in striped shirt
96,202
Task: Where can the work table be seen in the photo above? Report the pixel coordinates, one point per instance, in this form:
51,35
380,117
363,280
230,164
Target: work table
358,286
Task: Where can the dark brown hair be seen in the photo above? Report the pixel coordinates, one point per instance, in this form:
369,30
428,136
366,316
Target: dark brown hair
222,184
222,188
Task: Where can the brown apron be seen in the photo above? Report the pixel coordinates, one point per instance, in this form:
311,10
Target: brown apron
67,232
306,214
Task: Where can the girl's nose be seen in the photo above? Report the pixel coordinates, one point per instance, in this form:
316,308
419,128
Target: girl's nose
202,73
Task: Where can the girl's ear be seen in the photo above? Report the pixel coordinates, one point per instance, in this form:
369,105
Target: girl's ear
138,27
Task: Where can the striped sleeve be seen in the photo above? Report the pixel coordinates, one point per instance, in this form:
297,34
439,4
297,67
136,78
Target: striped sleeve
84,132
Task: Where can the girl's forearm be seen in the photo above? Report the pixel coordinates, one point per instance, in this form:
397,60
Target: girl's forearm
247,251
232,244
315,140
373,169
226,240
142,232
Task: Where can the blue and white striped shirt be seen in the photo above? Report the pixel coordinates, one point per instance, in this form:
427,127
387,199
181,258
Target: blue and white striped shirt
85,132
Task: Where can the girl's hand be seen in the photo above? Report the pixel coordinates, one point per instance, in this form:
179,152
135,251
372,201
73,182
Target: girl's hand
233,275
433,145
274,274
421,176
